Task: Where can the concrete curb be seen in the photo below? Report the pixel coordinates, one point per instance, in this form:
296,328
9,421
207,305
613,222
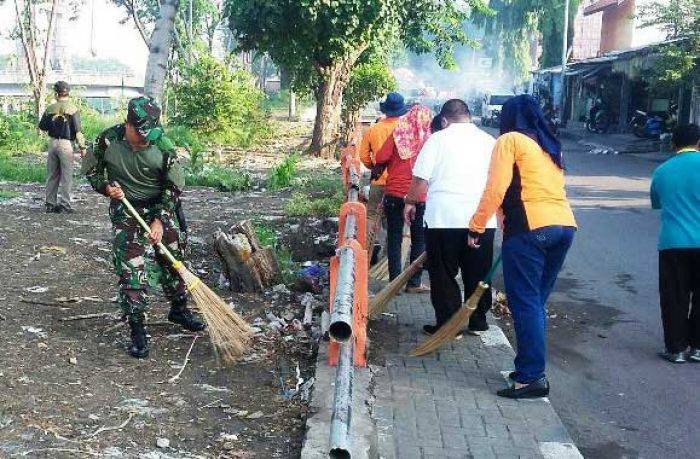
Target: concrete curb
317,441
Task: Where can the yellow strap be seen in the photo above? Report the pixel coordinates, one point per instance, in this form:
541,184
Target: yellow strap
177,264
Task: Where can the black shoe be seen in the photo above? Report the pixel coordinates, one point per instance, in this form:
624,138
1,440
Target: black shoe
51,209
673,357
181,315
65,209
139,340
512,375
536,389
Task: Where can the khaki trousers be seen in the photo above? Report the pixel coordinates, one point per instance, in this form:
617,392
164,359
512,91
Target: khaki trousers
59,179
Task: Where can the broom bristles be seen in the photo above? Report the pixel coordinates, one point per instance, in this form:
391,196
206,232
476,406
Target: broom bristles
380,271
453,326
381,300
230,334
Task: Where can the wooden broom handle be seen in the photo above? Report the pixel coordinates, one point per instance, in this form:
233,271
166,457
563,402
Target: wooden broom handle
134,213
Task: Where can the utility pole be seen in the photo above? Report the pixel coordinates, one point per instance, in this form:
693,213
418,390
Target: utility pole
564,54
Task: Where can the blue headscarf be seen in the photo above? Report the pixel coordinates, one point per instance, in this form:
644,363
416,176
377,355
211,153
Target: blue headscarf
523,114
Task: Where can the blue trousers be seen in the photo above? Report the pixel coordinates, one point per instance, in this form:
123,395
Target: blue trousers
531,263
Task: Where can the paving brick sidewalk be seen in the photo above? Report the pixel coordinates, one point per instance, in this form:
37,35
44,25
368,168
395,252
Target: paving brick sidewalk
444,405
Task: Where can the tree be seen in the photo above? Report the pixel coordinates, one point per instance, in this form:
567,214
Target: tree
677,62
36,45
320,41
190,24
159,50
514,22
368,82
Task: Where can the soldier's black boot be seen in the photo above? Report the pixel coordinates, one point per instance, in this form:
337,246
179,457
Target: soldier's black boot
139,340
181,315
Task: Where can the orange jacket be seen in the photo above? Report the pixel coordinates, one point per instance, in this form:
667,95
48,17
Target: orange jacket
373,141
526,185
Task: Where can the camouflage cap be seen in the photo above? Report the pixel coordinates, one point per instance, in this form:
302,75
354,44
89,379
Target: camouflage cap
144,114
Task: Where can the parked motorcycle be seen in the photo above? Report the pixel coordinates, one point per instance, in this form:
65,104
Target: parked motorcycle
652,126
598,122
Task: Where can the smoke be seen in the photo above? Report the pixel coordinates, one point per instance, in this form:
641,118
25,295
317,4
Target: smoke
421,77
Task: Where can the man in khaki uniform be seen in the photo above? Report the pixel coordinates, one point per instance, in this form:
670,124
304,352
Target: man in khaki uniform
61,121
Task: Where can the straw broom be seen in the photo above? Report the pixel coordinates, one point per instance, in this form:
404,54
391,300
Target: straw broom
381,300
229,333
380,271
453,326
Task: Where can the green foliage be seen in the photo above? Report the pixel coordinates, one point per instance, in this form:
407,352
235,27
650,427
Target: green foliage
678,60
215,103
93,123
268,237
515,21
319,184
282,174
219,177
303,205
368,82
319,41
5,194
23,170
19,134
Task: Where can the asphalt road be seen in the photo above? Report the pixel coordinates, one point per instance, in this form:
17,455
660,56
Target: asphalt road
615,395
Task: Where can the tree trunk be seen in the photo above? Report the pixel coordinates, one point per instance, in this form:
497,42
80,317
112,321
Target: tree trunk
292,105
350,120
247,266
329,97
159,50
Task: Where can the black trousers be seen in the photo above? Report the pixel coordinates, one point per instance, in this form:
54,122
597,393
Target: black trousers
679,290
448,253
393,209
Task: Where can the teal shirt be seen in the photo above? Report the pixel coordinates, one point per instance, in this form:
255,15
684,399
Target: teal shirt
675,190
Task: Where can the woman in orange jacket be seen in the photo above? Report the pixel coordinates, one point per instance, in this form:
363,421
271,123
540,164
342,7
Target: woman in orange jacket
526,182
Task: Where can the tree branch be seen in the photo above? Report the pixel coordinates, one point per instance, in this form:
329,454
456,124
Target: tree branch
49,32
25,44
131,8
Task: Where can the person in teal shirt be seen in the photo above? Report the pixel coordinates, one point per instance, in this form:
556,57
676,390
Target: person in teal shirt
675,190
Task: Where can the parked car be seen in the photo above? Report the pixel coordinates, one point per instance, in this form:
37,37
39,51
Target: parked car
491,108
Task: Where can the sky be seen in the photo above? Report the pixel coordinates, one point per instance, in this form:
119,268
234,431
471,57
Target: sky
110,39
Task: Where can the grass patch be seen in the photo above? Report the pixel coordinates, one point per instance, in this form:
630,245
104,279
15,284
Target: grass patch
22,170
268,238
281,175
219,177
304,205
8,194
327,184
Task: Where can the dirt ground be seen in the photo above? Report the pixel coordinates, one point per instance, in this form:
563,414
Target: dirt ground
69,390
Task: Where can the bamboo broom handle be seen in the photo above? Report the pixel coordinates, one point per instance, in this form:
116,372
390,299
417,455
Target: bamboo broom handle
164,250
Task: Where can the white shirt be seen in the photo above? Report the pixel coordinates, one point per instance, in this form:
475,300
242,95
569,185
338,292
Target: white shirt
455,163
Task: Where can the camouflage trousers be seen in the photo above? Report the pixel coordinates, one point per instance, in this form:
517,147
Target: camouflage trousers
139,265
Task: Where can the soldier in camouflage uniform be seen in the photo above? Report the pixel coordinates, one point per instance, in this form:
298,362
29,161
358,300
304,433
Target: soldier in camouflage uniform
138,161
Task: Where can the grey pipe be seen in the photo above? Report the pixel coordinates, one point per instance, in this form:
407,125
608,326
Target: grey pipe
341,317
342,405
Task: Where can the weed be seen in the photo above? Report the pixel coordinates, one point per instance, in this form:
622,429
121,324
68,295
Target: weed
219,177
4,194
23,170
303,205
326,184
268,238
281,175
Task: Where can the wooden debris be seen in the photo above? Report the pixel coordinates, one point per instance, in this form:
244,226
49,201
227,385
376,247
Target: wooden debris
247,266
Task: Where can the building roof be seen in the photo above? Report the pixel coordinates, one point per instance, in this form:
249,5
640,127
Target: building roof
601,5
